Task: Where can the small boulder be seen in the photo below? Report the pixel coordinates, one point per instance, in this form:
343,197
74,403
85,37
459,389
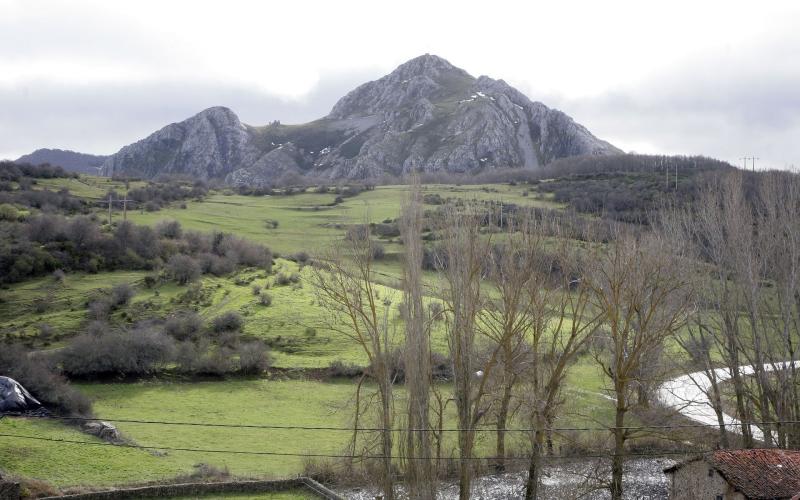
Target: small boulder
103,430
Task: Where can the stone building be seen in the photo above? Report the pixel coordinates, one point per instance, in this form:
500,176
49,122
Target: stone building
764,474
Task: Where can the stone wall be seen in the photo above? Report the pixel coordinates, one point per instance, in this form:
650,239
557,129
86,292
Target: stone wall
9,490
697,480
201,489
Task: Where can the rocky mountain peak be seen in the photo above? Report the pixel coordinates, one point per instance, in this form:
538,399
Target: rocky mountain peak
424,79
425,115
428,65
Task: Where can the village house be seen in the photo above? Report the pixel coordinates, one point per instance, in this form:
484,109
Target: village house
763,474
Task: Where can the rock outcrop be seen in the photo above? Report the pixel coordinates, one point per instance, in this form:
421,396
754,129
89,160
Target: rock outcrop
426,115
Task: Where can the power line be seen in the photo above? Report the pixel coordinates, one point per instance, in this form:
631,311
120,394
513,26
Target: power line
381,429
331,455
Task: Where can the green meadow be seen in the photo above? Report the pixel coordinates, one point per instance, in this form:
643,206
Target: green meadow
295,325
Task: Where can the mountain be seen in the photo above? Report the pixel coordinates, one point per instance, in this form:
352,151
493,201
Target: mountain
427,114
69,160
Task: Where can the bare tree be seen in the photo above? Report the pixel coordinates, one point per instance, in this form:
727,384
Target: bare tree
509,313
563,321
345,287
643,298
419,469
462,261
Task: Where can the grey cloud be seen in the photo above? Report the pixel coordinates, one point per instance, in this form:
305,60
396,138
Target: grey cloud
100,119
726,107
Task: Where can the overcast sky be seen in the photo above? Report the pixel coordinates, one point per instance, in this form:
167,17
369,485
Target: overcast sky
684,77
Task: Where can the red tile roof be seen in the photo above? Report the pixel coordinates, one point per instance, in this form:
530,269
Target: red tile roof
760,474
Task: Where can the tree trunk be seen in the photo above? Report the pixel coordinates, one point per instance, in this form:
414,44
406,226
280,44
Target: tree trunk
619,449
386,435
502,422
535,467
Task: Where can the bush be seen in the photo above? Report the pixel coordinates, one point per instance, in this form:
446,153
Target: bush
284,279
136,352
227,322
184,325
310,332
59,276
339,368
170,229
253,358
122,294
265,299
100,309
256,289
35,374
183,269
378,252
8,212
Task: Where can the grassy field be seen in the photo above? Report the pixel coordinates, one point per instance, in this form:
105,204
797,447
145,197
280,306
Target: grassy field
294,325
259,402
87,186
307,221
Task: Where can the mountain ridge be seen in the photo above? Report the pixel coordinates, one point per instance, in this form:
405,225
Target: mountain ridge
72,161
425,115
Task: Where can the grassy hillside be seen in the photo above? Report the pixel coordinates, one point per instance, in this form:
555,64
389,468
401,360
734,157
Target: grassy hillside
294,325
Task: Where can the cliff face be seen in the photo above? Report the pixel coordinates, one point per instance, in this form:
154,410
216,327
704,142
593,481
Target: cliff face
426,115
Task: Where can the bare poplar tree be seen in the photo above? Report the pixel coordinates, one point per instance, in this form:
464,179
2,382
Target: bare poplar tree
420,468
462,260
345,287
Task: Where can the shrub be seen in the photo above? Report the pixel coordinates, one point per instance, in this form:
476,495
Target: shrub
59,276
215,362
183,269
284,279
184,325
265,299
46,332
378,252
100,309
253,358
122,294
256,289
339,368
170,229
230,321
35,374
310,332
136,352
97,328
357,233
8,212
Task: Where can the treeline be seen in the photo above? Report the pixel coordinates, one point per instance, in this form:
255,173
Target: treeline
14,172
44,243
155,196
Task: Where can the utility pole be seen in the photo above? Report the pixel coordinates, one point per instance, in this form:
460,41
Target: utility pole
754,158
